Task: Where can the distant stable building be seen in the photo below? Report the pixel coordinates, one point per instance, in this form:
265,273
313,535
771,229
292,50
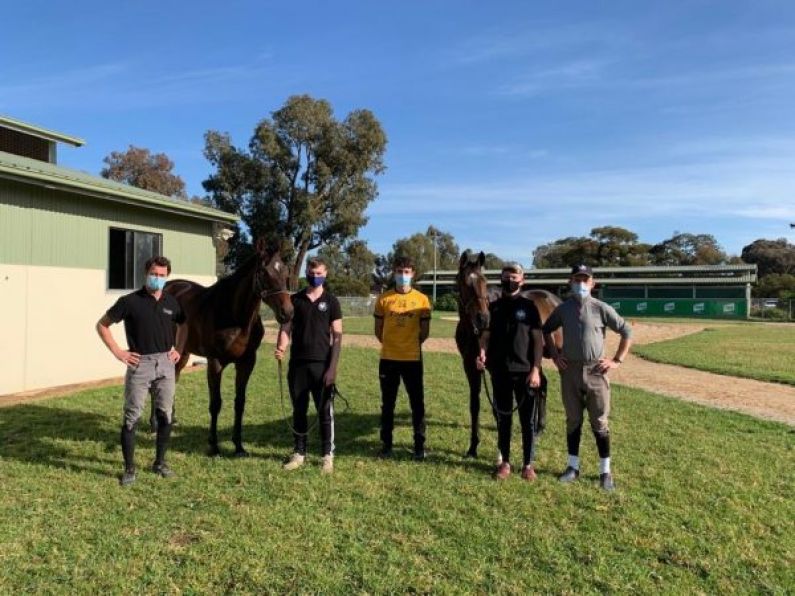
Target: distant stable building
70,245
700,291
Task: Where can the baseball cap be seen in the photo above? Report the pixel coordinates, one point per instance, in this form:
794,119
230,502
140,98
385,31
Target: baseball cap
513,267
582,269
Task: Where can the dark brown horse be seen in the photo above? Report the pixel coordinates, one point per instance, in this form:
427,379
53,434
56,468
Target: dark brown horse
474,297
223,325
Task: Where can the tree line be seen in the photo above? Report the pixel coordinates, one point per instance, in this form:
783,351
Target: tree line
307,178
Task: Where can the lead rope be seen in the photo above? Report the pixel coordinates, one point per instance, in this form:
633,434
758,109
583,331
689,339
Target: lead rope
329,393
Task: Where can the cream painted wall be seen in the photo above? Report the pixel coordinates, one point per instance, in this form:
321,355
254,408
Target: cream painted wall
48,317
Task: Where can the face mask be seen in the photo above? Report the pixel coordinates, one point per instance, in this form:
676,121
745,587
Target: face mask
403,280
315,280
155,283
580,290
509,285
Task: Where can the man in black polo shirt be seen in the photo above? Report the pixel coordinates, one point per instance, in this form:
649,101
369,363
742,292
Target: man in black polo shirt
316,331
511,348
149,317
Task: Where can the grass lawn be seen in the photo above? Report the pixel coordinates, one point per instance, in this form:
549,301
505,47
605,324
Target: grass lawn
439,327
704,501
764,352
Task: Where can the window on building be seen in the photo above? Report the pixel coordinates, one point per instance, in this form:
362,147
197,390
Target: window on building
128,252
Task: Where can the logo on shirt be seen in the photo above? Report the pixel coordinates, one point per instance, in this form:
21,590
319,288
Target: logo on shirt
521,315
168,312
322,306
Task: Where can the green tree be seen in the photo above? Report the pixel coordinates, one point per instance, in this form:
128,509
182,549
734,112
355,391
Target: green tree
607,246
306,177
776,285
351,268
140,168
771,256
419,247
688,249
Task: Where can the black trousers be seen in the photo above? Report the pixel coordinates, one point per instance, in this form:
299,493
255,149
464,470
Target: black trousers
390,373
507,386
305,377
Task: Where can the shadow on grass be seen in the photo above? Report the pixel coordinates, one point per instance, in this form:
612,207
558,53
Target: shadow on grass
67,439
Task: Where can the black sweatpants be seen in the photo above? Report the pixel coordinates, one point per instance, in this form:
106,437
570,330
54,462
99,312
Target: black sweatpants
305,377
507,386
390,372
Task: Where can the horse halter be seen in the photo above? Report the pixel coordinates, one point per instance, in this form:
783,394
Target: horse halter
475,297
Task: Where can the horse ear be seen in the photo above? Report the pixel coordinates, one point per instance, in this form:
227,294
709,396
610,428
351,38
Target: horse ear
481,258
464,259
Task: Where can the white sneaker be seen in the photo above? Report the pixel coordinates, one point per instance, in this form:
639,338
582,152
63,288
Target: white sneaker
498,461
327,467
295,462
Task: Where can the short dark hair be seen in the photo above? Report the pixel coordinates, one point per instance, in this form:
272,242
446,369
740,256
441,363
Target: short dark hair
316,262
402,263
160,261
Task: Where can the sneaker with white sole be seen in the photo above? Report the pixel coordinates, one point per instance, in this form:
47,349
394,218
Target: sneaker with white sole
327,464
296,461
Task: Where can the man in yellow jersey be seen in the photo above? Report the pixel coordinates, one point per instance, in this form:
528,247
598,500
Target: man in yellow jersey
402,323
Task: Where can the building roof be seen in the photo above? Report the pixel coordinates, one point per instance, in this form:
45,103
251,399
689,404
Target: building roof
623,276
38,131
31,171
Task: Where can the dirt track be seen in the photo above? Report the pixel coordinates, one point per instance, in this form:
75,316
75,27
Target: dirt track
772,401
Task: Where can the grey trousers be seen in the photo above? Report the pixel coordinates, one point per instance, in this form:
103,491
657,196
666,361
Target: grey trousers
584,389
154,375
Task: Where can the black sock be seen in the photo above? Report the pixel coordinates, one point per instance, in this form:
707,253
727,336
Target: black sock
603,444
573,441
128,447
163,436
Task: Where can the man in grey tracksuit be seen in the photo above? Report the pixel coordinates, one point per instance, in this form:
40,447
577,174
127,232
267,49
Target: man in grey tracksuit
583,368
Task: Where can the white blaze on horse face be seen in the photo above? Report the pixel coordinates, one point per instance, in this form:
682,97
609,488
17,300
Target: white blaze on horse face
473,277
277,265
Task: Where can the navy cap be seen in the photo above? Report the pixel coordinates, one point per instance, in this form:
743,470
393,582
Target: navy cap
581,270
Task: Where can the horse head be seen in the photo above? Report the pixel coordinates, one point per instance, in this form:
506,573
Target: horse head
473,296
270,280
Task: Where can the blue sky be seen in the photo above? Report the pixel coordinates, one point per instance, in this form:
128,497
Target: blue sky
510,124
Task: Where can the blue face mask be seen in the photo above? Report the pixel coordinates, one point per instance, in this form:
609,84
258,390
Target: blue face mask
402,280
580,290
155,283
315,280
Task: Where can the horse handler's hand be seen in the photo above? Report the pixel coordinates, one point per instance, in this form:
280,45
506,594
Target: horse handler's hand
329,377
174,356
534,378
605,364
131,359
278,353
480,361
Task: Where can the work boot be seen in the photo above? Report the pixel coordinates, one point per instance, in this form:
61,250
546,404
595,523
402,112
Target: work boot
296,461
502,471
161,469
327,464
528,473
606,482
128,477
570,475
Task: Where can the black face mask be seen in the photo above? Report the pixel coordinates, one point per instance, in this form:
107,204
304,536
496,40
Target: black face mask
509,285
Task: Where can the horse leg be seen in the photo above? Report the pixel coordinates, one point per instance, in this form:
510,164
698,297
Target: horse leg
214,371
474,378
243,370
183,360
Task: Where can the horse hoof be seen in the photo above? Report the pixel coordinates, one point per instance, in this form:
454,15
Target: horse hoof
240,452
213,451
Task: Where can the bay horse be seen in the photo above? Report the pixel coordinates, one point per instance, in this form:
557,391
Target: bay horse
223,324
474,297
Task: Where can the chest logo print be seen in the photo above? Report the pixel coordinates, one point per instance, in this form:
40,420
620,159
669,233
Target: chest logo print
323,306
168,312
521,315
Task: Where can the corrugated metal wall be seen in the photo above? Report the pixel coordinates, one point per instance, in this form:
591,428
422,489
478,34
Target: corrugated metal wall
48,227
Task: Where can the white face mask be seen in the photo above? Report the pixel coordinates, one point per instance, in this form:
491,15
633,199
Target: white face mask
403,279
580,290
